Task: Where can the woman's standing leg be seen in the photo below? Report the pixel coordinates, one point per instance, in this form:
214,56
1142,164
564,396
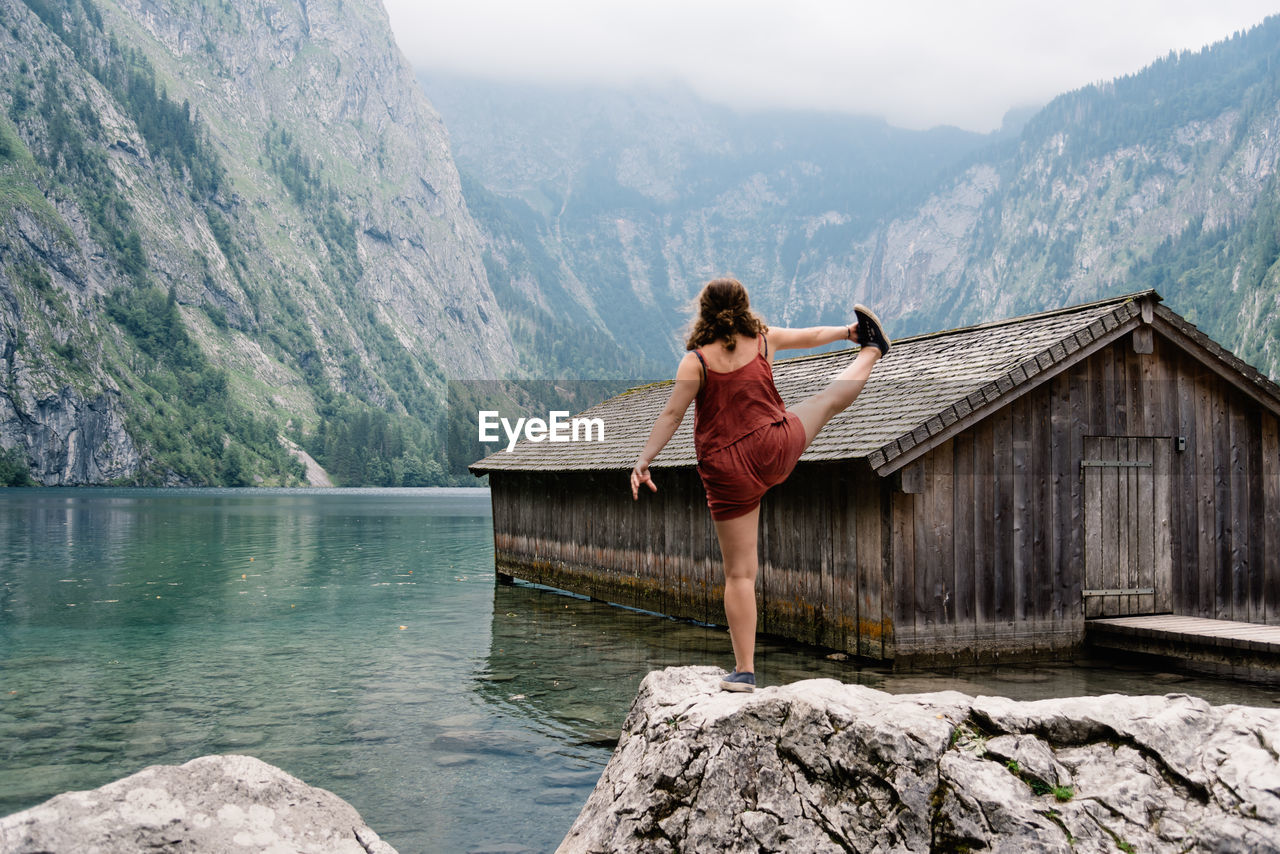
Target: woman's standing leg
738,547
816,411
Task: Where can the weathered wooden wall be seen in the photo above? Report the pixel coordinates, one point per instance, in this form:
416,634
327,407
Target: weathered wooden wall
972,552
821,544
989,539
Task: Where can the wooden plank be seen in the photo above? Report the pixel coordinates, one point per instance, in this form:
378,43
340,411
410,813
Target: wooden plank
1119,564
1071,572
1146,548
870,557
1022,522
770,581
1186,515
1109,508
1270,451
943,536
1058,512
1162,542
1002,580
888,581
912,478
839,599
1094,577
1140,513
1205,509
1221,497
1040,451
831,605
925,551
675,562
964,614
1237,498
1256,509
1116,390
904,575
984,525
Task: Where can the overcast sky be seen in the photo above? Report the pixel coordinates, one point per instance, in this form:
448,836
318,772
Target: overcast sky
918,64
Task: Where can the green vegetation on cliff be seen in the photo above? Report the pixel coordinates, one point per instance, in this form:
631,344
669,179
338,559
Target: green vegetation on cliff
216,310
180,414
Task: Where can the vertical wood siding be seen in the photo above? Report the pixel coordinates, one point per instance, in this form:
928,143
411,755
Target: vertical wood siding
1001,521
984,554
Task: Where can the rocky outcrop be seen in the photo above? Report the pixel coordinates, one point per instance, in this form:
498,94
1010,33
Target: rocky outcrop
211,804
67,439
277,172
822,766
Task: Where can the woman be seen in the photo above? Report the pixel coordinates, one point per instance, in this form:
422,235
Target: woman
745,438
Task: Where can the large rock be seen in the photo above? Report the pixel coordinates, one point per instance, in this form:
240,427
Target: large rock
213,804
822,766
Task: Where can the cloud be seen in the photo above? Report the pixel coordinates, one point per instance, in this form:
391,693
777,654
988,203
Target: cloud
918,64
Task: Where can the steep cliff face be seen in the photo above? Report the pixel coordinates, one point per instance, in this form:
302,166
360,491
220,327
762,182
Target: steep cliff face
637,198
330,75
1162,179
274,169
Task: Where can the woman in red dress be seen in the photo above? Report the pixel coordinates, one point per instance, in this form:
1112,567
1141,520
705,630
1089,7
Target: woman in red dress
745,438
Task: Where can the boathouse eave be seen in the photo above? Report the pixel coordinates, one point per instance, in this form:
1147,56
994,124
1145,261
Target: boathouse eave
1022,379
1248,379
897,423
918,423
965,413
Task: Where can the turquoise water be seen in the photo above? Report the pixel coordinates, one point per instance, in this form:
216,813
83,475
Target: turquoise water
357,639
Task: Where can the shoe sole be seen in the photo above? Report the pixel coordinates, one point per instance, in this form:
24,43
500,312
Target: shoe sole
737,687
859,308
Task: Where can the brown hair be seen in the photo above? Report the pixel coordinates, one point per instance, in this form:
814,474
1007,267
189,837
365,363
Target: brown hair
724,313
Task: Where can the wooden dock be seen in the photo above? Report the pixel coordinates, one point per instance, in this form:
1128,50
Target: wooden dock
1249,646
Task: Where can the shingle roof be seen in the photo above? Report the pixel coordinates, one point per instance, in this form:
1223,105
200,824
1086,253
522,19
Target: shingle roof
926,384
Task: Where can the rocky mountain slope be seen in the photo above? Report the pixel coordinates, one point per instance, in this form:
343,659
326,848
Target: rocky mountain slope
1162,179
634,199
231,232
224,222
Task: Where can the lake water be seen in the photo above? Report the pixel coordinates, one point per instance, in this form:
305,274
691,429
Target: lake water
357,639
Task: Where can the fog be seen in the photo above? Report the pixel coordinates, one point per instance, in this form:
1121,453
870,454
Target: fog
917,64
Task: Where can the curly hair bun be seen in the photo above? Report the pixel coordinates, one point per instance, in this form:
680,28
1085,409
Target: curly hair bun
724,313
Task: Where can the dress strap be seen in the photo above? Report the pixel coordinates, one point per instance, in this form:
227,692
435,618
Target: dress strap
765,338
698,353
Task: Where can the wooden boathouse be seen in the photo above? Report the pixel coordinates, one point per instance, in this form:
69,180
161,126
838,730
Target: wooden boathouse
991,489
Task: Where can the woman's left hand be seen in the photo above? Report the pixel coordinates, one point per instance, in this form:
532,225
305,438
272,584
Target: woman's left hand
640,475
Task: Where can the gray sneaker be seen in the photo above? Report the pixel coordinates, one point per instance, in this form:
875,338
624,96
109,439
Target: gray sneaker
735,681
870,333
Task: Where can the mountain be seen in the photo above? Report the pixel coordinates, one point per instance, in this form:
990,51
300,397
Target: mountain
228,227
233,236
1164,179
631,200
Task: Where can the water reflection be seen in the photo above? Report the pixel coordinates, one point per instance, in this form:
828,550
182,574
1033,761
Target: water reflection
357,640
572,666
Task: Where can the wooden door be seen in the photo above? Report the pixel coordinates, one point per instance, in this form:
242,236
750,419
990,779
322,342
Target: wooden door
1128,566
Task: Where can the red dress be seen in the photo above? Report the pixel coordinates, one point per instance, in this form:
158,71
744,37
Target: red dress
745,438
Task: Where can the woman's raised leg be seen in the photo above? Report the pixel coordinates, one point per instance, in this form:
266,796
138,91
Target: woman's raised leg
816,411
738,548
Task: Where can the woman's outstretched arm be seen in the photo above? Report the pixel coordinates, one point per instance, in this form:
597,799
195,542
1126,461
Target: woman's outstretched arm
683,391
812,336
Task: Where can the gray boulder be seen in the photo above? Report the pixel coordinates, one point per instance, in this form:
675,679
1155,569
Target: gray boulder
821,766
211,804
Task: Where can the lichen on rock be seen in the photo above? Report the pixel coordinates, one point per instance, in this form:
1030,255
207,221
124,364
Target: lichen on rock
823,766
211,804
